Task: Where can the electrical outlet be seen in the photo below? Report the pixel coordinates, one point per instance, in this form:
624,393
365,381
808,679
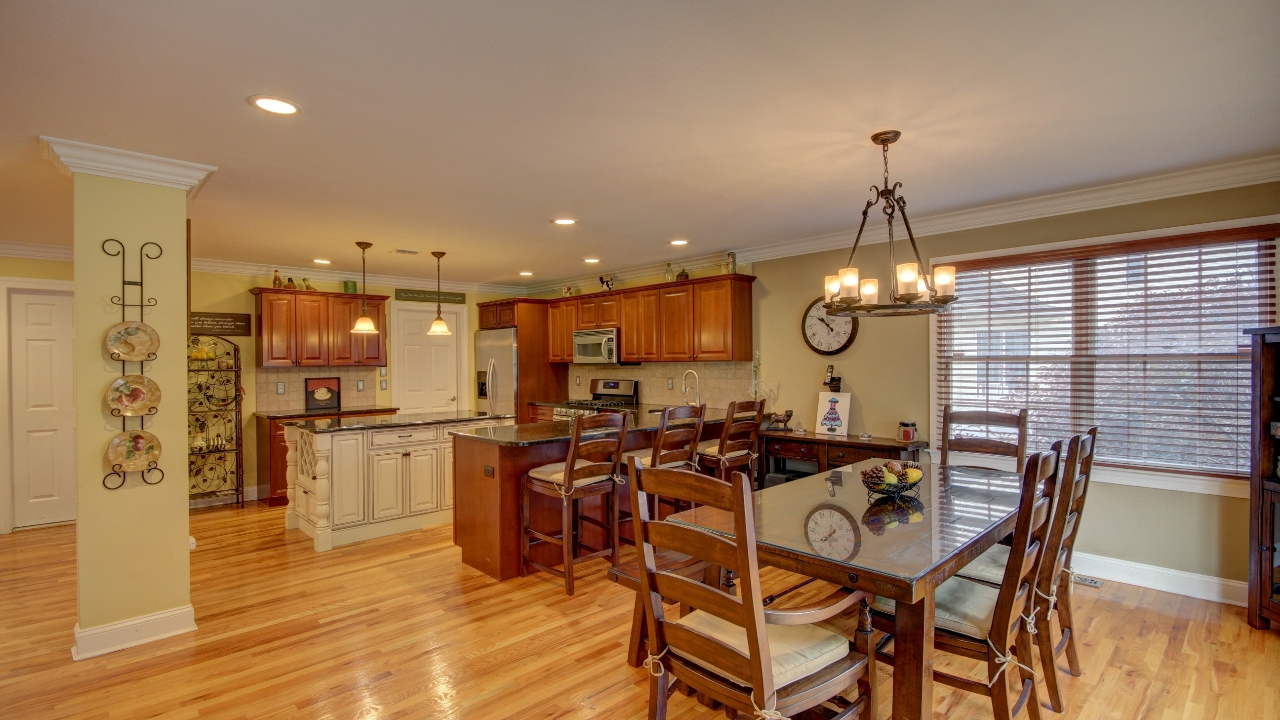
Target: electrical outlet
359,386
577,379
1088,581
382,372
671,383
382,384
279,388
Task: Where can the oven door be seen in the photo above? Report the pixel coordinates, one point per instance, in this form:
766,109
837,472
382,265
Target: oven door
595,346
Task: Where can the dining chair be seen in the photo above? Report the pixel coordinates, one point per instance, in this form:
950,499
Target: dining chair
995,625
983,446
737,444
572,481
674,445
731,649
1053,586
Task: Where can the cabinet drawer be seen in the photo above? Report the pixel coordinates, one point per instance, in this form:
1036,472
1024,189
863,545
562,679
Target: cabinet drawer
403,436
795,450
837,456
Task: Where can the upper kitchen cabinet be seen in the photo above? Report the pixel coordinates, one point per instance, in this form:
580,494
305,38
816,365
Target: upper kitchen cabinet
641,327
722,320
561,320
675,308
500,314
599,311
301,328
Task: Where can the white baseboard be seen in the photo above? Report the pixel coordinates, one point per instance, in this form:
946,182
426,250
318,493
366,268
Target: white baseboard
134,631
1203,587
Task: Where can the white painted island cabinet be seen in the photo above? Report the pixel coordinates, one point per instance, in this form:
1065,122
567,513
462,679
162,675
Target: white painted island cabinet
356,479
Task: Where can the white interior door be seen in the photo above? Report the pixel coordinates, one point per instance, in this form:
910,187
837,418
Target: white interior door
44,436
425,366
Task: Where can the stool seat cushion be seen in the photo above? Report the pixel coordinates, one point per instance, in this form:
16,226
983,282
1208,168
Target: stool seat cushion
646,456
988,567
797,651
963,607
554,473
709,448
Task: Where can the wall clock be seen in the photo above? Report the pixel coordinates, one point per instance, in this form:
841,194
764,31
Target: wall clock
832,532
827,335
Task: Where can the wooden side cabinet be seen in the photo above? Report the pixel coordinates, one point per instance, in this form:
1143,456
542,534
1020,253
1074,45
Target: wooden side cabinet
1264,481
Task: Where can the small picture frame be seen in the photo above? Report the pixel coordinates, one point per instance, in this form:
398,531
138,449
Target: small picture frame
833,414
323,393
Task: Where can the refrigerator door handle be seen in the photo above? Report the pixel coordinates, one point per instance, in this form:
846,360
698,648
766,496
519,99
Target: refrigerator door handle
491,385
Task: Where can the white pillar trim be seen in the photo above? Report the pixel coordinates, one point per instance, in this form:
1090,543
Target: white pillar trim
77,157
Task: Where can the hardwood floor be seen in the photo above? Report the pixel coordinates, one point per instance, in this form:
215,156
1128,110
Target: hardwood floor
398,628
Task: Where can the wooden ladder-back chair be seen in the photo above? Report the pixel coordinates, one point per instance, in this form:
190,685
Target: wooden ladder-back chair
984,446
731,649
571,481
674,446
994,625
737,444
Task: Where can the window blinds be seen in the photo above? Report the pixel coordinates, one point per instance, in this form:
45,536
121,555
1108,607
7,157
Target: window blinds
1142,339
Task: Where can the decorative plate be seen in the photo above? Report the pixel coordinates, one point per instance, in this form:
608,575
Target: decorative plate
133,450
132,341
133,395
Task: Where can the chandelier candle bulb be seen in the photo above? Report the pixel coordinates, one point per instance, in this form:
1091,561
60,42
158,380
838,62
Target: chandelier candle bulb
870,291
944,280
922,287
908,275
849,282
832,288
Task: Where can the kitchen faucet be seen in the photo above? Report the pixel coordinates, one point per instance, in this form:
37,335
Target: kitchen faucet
697,392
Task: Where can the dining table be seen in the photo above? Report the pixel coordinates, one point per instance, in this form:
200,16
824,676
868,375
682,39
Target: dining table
902,547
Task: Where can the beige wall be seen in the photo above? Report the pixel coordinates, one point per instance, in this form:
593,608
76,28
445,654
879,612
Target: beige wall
33,268
132,557
887,372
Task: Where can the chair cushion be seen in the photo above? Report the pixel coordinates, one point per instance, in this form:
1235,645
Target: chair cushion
797,651
989,566
710,447
554,473
963,607
646,456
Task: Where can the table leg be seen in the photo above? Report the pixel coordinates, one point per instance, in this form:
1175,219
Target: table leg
913,660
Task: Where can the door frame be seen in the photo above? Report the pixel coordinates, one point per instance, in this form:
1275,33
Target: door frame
9,285
462,361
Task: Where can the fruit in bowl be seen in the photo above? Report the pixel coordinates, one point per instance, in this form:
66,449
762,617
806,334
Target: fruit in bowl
893,476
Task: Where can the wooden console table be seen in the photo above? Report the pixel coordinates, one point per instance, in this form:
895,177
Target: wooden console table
829,451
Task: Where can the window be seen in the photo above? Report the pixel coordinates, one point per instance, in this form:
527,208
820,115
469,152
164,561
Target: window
1141,338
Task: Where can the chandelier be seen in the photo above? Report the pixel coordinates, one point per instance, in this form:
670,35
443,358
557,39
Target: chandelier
912,290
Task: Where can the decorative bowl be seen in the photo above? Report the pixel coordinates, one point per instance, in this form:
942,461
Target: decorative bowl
890,478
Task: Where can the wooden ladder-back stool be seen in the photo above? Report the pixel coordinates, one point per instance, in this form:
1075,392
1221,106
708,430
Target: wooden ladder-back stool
731,649
996,625
983,446
736,447
571,481
674,446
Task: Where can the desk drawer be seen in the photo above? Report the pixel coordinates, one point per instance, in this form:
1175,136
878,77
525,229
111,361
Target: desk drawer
794,450
404,436
837,456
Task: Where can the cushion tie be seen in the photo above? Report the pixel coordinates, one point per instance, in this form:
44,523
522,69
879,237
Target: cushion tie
1004,661
654,665
766,713
1052,597
1030,620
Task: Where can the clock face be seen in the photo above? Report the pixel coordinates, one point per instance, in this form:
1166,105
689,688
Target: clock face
832,532
824,334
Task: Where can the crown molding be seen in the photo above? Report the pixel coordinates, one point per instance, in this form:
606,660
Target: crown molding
1187,182
77,157
702,262
38,252
231,267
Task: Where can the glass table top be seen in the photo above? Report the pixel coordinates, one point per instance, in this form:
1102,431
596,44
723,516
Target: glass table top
829,516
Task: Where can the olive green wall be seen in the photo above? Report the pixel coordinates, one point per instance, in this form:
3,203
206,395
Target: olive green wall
887,372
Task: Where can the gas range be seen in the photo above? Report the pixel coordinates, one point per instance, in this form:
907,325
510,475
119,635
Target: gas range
605,394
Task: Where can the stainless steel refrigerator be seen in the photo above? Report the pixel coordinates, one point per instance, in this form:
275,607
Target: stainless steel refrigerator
497,370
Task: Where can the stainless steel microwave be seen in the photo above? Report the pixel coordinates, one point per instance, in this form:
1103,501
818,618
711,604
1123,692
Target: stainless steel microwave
595,346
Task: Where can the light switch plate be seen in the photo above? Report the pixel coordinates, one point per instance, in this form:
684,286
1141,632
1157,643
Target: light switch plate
279,388
382,384
577,379
359,386
382,372
671,383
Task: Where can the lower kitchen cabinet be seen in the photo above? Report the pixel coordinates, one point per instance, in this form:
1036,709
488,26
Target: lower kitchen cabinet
386,484
424,471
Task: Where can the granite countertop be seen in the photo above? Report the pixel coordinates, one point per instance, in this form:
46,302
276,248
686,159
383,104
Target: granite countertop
377,422
548,432
290,414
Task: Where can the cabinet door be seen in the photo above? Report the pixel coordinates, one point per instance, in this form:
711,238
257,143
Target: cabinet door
311,318
346,477
676,309
713,321
386,484
507,315
424,479
629,335
275,330
608,312
1270,549
650,326
556,328
588,313
488,317
446,474
343,312
372,349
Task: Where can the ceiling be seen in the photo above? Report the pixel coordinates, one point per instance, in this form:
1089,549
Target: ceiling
467,126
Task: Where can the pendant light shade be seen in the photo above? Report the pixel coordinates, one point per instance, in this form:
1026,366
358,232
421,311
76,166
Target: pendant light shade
364,324
438,326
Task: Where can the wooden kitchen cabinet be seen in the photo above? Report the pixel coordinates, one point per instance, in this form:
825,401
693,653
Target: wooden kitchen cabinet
272,484
722,321
603,311
306,328
275,330
498,315
343,312
641,335
561,322
311,324
386,484
675,308
372,349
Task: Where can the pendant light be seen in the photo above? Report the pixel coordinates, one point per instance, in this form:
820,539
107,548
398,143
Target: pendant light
912,290
438,326
364,324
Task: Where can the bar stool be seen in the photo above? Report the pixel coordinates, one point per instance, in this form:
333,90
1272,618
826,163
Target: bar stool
737,444
573,480
674,446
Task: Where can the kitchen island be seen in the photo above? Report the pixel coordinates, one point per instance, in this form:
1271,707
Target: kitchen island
489,463
354,478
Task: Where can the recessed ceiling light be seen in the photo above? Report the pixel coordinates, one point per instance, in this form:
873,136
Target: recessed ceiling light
526,273
322,262
679,242
276,105
593,260
564,221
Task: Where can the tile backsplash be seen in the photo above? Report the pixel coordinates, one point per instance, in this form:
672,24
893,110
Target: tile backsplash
722,382
293,377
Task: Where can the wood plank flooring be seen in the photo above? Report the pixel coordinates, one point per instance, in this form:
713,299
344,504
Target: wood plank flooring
398,627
